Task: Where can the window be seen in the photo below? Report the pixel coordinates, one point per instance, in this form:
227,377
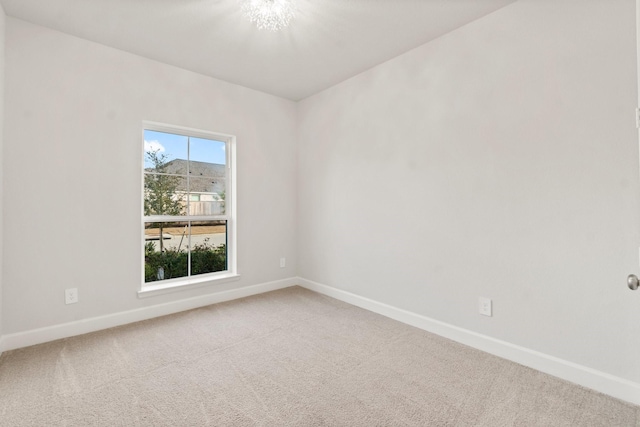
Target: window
188,206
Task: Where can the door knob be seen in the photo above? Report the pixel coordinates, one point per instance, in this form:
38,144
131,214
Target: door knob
633,282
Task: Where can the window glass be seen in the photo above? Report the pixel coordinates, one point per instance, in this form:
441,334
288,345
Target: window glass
186,218
166,148
166,251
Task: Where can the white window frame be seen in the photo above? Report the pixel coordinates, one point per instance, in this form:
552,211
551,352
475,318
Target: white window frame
189,282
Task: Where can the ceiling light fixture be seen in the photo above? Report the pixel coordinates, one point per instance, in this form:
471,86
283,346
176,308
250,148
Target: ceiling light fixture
268,14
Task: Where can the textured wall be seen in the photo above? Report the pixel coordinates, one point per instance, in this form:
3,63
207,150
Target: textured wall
499,160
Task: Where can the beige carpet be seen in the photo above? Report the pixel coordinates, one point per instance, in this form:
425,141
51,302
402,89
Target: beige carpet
286,358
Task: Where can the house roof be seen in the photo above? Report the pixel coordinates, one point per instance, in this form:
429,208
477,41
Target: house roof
196,169
203,177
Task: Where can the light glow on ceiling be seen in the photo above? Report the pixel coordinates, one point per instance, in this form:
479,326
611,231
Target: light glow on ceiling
271,15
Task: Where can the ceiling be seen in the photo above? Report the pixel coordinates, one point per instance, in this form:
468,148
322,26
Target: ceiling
328,42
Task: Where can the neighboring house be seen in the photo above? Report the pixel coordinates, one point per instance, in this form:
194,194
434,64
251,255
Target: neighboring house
206,185
204,177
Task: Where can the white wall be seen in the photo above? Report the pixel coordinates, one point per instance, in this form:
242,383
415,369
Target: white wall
73,180
499,160
2,29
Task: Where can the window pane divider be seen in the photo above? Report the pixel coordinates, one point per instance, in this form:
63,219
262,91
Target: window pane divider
165,218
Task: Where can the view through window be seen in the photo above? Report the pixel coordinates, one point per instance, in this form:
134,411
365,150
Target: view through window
186,200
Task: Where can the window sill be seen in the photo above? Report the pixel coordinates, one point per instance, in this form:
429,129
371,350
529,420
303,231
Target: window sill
182,285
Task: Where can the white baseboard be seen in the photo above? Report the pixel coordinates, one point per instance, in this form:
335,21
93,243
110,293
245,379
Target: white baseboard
596,380
602,382
65,330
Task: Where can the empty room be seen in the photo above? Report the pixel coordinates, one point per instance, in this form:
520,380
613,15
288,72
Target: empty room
319,213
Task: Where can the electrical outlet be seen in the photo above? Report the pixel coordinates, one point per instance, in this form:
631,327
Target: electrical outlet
484,306
71,296
283,262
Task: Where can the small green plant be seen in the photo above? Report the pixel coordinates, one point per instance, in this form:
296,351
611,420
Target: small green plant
206,258
173,263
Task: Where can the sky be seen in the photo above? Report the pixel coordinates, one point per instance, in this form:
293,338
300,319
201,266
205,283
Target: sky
177,146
